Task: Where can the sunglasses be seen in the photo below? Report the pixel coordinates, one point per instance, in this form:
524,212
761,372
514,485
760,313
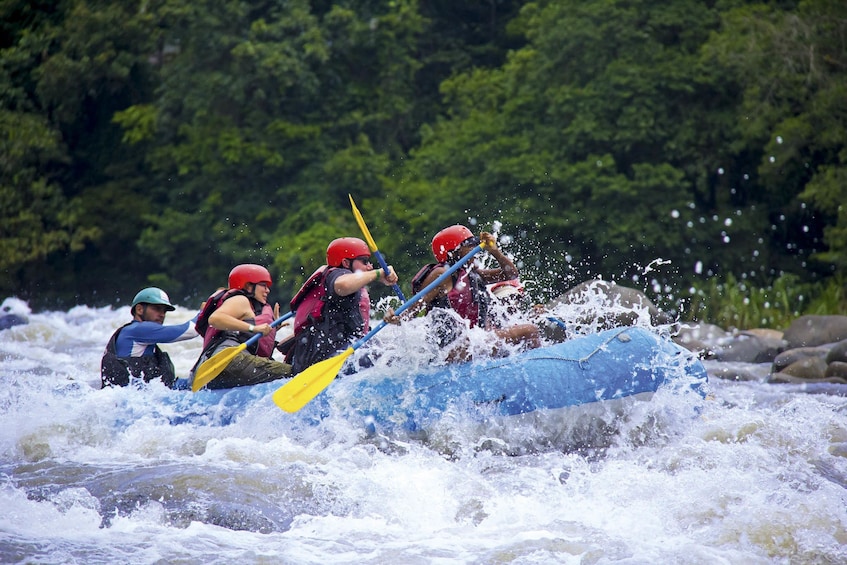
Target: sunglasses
364,259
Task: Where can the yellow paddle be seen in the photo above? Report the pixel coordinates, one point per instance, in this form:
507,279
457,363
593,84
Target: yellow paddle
372,246
297,392
213,366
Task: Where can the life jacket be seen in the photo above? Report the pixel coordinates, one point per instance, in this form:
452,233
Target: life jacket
116,371
308,304
310,301
325,322
212,303
263,314
468,296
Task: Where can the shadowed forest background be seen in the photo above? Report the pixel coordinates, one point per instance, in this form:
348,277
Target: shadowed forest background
691,149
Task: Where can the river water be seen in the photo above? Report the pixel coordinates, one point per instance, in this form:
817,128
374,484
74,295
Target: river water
754,474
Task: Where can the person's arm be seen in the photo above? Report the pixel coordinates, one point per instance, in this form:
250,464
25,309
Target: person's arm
506,271
233,313
351,282
173,333
135,338
415,309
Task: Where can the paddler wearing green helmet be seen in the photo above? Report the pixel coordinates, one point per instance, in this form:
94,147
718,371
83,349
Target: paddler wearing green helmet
133,354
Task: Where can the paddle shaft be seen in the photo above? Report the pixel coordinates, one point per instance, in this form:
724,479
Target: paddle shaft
384,266
558,322
411,302
274,324
372,246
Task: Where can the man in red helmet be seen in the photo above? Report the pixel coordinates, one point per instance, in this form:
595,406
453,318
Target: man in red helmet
466,292
333,306
238,313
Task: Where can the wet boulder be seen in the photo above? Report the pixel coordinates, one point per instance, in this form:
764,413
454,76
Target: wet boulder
837,353
13,312
812,330
603,305
836,370
751,347
792,356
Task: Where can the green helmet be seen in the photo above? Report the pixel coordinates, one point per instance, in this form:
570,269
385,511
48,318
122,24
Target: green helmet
153,295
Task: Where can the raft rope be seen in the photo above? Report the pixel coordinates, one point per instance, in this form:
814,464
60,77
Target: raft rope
580,361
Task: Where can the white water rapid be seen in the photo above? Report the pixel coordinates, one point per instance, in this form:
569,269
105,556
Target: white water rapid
756,476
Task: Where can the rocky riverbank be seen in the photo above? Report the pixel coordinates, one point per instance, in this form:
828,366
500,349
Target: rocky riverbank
813,349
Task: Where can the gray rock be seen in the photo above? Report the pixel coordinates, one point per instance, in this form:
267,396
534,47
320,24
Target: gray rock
808,331
749,372
806,369
610,305
838,352
750,347
836,370
13,312
791,356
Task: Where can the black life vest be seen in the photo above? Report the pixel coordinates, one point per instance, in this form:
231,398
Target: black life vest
116,371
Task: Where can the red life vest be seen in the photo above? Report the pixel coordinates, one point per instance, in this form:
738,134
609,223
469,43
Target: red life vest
308,303
263,314
466,296
464,299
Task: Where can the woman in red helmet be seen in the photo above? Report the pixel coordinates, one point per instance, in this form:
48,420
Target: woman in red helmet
238,313
333,306
466,291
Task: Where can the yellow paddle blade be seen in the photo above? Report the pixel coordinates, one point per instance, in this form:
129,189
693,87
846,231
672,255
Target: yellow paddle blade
296,393
361,221
213,366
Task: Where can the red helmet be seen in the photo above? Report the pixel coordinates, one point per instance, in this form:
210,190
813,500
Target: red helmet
248,273
450,239
345,248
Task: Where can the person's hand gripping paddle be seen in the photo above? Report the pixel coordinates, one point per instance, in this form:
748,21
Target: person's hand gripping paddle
372,246
213,366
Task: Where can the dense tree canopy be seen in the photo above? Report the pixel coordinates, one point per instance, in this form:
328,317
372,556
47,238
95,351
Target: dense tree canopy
652,142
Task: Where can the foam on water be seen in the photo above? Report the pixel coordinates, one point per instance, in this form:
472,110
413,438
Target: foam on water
757,475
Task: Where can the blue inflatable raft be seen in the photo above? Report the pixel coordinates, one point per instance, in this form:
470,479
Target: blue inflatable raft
609,365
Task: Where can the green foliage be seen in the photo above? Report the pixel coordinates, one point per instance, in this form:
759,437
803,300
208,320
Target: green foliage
664,145
61,79
576,140
832,298
734,304
37,218
791,66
